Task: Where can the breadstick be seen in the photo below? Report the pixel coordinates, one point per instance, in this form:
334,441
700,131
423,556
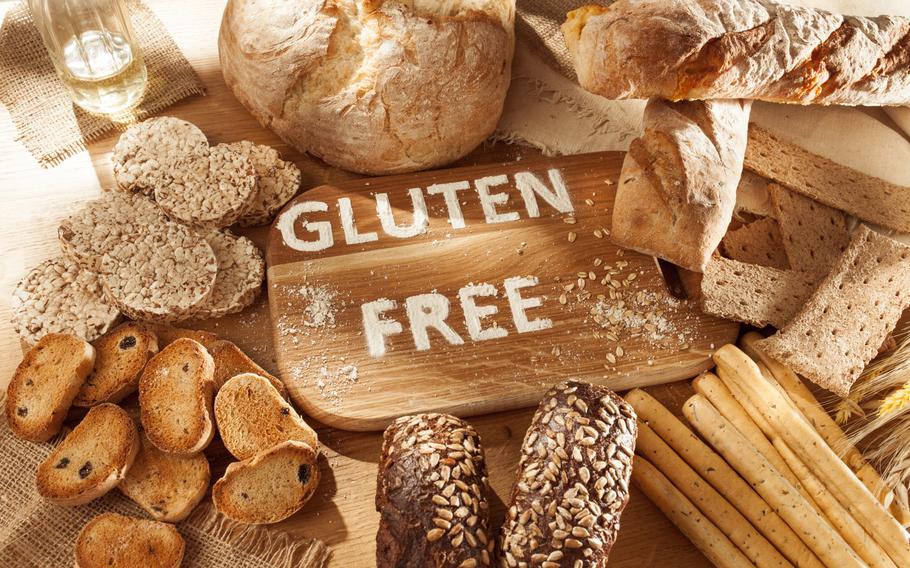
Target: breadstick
777,491
722,477
821,460
816,415
703,533
709,501
843,521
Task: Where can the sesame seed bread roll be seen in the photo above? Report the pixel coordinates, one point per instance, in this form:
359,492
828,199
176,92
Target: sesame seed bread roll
573,479
432,495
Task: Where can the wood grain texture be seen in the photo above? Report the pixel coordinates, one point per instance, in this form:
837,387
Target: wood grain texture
332,374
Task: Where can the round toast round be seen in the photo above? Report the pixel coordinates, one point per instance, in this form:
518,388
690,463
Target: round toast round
252,417
92,459
175,398
44,385
111,540
241,271
269,487
277,181
121,354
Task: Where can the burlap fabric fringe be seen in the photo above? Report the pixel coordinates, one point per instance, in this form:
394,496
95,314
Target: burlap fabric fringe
36,534
47,123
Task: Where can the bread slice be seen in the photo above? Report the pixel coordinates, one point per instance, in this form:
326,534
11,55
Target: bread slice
252,417
269,487
759,242
111,540
175,398
168,334
814,235
121,354
167,486
845,321
44,385
230,361
758,295
92,459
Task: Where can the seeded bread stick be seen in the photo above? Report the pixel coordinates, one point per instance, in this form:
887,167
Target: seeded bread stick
864,545
702,532
821,460
730,521
722,477
815,531
816,415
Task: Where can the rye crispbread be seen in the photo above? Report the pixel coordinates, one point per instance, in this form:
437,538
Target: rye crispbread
45,384
758,295
277,181
252,417
230,361
120,356
241,271
814,235
111,540
175,398
845,321
869,198
758,242
92,459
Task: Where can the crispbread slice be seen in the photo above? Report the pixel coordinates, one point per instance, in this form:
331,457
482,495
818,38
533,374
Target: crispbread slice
814,235
167,486
121,354
141,149
45,384
252,417
92,459
758,295
111,540
230,361
269,487
841,326
168,334
869,198
175,398
277,181
759,242
241,271
57,296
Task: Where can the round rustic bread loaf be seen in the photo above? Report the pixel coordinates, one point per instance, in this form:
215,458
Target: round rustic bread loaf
373,86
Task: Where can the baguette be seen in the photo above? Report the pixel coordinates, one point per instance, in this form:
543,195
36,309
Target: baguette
751,49
111,540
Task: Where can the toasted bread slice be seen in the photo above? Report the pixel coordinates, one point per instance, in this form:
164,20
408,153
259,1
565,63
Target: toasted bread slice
45,383
252,417
92,459
167,486
231,361
269,487
121,354
175,398
111,540
168,334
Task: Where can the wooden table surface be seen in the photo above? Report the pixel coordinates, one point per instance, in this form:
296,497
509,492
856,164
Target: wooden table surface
341,514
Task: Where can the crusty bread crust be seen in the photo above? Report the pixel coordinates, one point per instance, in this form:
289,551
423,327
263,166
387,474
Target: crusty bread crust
111,540
121,355
175,398
45,384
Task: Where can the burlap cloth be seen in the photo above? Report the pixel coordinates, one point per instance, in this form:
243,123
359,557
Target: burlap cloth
47,123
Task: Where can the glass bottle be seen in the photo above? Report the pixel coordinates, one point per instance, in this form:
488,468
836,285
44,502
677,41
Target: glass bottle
93,49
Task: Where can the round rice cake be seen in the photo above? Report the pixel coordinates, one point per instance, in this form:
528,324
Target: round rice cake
92,230
241,271
58,296
144,151
160,277
277,181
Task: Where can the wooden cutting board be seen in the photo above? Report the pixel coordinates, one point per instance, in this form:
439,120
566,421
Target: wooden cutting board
470,291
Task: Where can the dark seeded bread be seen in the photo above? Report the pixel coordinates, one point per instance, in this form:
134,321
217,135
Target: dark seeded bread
175,398
116,541
759,242
230,361
121,354
431,493
168,334
814,235
167,486
269,487
252,417
573,479
44,385
92,459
